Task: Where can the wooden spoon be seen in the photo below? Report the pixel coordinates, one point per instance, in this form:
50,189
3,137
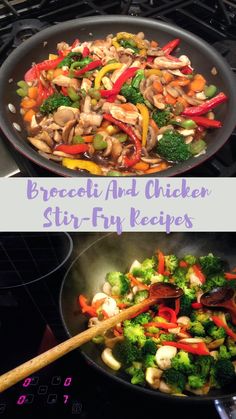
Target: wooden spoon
221,297
157,293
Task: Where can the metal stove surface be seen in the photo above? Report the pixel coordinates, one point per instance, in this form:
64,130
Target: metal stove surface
213,20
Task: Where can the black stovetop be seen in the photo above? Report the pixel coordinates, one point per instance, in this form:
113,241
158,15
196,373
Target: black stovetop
213,20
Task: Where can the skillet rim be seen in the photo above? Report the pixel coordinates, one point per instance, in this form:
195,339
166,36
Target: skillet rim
195,41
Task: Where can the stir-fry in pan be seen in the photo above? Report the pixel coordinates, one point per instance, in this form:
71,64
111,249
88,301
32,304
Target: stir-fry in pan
178,346
118,106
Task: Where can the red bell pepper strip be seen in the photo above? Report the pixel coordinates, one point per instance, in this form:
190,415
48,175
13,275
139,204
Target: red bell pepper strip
138,283
150,59
127,74
166,273
199,348
49,64
220,323
228,275
161,325
105,315
43,92
198,273
206,122
89,67
177,306
161,262
206,106
85,52
183,264
128,162
75,43
196,305
170,46
86,308
186,70
72,149
172,315
64,90
98,303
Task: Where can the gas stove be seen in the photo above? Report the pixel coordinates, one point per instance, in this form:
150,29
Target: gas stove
35,264
213,20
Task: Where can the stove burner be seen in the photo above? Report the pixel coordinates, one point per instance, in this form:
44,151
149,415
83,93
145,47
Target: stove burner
24,29
228,49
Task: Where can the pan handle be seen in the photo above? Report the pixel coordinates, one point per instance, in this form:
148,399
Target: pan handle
226,408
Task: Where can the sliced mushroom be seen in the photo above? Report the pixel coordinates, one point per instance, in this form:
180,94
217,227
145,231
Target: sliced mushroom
153,376
57,137
200,391
62,154
108,150
172,91
106,288
215,343
62,116
191,340
109,359
93,321
116,148
164,356
164,387
184,320
39,144
151,160
67,129
151,139
46,138
163,62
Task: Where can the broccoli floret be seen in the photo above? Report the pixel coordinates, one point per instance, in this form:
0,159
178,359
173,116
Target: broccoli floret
175,379
231,345
223,372
144,274
195,381
190,259
136,373
223,353
161,118
167,337
149,263
53,102
126,352
185,306
173,147
134,333
171,263
186,301
211,264
131,94
215,332
180,277
137,79
138,377
150,361
197,329
119,283
182,362
213,282
149,347
202,317
140,296
142,318
203,365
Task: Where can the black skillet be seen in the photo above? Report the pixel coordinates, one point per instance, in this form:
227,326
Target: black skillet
37,48
111,252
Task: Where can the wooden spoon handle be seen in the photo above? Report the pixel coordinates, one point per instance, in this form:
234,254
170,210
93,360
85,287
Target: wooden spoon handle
29,367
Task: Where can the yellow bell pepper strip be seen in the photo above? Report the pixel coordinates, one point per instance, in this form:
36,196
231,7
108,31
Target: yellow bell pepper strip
75,164
145,121
152,71
125,35
115,43
103,71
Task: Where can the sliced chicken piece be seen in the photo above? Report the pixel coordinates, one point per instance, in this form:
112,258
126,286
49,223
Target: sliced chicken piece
89,119
86,84
87,104
65,81
129,117
163,62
